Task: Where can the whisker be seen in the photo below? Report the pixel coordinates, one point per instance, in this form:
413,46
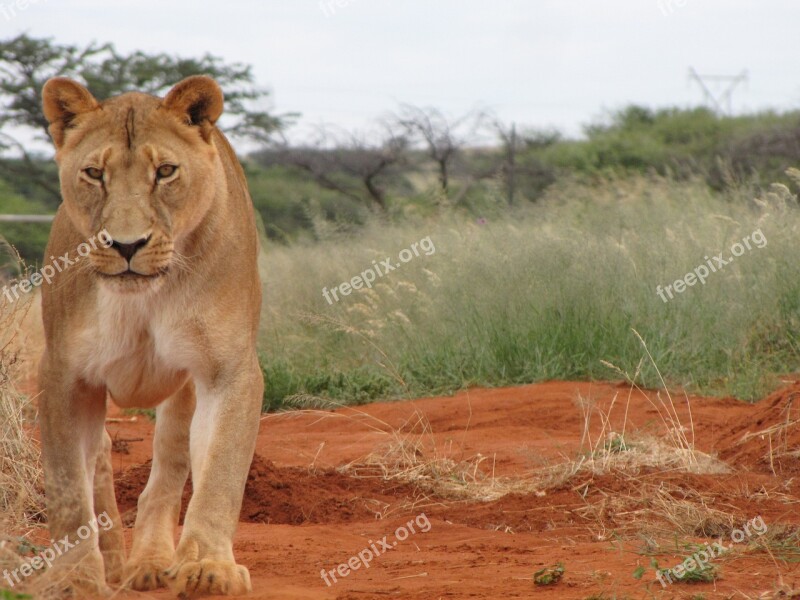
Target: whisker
183,263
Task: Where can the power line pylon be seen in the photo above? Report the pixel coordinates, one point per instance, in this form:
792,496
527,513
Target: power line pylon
721,103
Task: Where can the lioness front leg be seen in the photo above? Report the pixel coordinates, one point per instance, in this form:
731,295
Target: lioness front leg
222,443
72,424
160,504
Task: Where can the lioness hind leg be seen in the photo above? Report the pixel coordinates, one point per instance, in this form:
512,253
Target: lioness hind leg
160,503
110,530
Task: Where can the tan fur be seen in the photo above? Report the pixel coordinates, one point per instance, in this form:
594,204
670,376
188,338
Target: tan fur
174,329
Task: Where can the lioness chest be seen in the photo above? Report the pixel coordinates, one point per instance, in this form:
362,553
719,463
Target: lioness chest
134,347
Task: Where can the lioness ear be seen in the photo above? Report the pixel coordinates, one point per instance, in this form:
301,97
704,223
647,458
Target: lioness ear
63,100
198,100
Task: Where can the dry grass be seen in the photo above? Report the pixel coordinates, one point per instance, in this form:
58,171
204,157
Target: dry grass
21,496
613,449
20,470
778,437
412,457
688,513
21,484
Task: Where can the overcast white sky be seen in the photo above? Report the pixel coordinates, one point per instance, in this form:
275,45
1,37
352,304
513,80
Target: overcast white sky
541,63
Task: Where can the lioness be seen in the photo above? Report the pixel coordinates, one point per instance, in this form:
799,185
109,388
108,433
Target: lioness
165,316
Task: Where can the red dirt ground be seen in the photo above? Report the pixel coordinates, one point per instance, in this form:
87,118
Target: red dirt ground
303,513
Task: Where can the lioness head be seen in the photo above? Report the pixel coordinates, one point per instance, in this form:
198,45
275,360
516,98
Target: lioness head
143,169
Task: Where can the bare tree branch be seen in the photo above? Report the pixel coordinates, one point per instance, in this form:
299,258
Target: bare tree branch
348,164
444,139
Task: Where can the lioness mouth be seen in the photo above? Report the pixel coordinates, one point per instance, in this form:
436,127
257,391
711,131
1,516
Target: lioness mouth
130,274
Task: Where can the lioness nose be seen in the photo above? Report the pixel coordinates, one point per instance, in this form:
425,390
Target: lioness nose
127,251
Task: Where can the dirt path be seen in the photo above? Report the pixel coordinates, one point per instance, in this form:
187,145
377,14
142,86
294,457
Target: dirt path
328,485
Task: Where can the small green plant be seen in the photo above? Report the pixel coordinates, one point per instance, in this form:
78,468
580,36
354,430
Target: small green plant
9,595
549,575
702,573
150,413
781,541
616,444
26,548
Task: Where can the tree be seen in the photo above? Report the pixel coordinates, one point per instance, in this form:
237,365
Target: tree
524,172
347,163
444,139
26,63
509,141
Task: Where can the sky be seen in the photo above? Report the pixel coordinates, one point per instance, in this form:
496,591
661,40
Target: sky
544,64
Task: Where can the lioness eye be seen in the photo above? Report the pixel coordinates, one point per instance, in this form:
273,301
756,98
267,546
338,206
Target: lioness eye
94,172
165,171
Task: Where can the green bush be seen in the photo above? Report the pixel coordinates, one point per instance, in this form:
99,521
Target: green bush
30,239
686,142
293,207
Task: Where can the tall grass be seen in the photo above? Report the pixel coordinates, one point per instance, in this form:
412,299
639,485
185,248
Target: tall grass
21,490
547,292
20,473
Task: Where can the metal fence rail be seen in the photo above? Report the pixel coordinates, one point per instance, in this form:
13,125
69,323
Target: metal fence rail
26,218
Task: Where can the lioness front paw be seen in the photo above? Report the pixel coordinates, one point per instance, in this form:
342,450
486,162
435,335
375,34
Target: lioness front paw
147,575
195,578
